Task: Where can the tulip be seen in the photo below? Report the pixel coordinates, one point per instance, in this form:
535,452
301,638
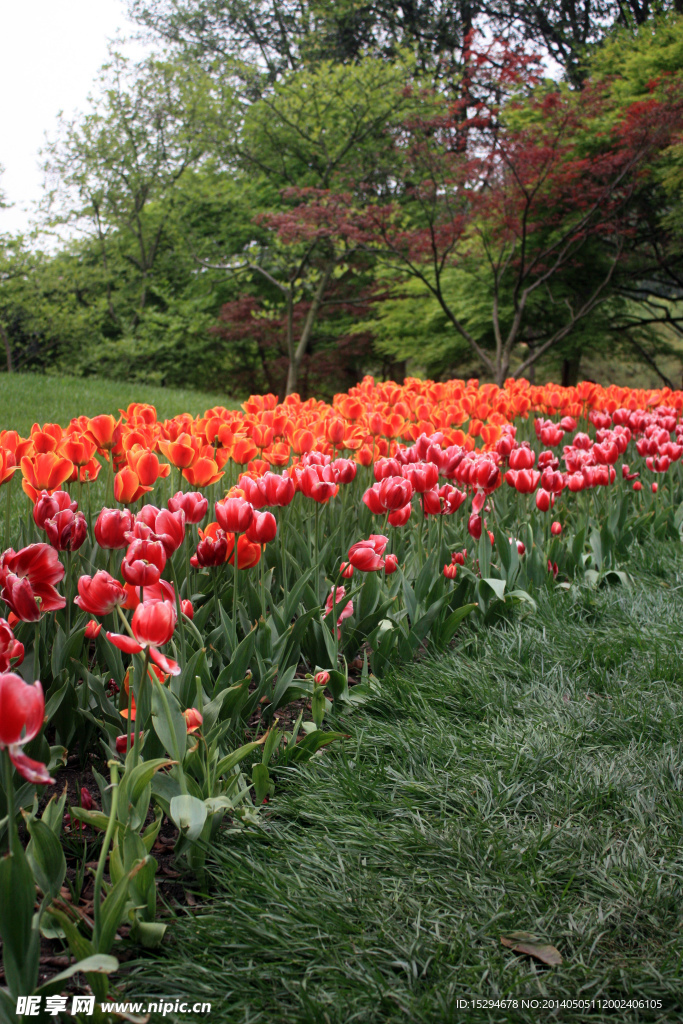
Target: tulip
44,472
384,468
193,719
525,481
543,499
10,648
248,554
92,630
458,557
637,486
474,526
182,452
143,562
336,597
152,626
234,515
111,527
423,477
390,564
401,516
22,709
203,472
522,457
450,571
169,528
28,579
212,550
122,742
127,486
187,608
321,678
556,529
48,505
103,431
346,570
366,555
314,484
145,464
655,487
194,504
67,530
99,594
262,529
279,490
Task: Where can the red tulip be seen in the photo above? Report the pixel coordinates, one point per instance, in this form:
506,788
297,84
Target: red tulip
152,625
543,499
336,597
474,526
366,555
423,476
344,470
321,678
522,457
556,529
193,503
401,516
390,564
48,505
111,527
122,742
234,515
263,528
22,709
10,648
314,483
67,530
28,578
346,570
187,608
637,486
525,481
279,490
211,550
384,468
143,562
450,571
193,719
93,629
99,594
169,528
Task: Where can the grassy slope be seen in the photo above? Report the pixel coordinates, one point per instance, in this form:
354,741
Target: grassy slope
530,780
29,397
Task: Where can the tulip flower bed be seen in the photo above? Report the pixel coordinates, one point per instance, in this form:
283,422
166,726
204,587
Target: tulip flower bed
188,600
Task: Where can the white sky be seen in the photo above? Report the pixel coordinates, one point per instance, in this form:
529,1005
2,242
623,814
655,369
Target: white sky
50,52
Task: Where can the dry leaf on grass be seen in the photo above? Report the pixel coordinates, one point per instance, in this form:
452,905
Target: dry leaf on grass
531,945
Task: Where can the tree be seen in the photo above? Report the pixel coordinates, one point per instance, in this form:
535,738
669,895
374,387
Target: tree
115,172
518,200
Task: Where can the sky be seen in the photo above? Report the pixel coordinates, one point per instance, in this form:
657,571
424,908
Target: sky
50,52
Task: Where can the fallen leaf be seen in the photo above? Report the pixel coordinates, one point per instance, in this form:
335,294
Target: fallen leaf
531,945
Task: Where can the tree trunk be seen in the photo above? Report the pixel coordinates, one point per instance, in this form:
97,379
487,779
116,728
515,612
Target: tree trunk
298,355
570,371
8,347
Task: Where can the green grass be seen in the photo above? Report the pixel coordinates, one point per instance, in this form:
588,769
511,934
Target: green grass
26,398
529,780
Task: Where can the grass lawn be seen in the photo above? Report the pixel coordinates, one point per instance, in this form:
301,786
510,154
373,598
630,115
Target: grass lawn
530,780
29,397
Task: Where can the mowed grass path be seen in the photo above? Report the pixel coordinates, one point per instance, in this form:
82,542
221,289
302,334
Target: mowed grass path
26,398
530,780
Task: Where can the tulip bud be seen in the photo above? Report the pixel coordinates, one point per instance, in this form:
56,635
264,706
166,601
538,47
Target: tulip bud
450,571
390,564
474,526
346,570
187,609
556,529
655,487
322,678
637,486
542,500
87,802
521,549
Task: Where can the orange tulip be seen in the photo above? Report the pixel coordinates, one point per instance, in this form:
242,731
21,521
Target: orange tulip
45,472
8,465
127,486
104,432
277,454
147,466
46,439
78,448
13,442
243,450
248,554
181,452
203,472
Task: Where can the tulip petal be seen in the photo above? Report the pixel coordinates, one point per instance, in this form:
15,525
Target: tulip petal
32,771
124,643
167,665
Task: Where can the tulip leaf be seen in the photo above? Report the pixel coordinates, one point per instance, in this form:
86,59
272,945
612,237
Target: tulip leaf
20,942
46,857
189,814
98,963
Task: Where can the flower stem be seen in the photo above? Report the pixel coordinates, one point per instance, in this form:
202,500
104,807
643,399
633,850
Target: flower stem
99,874
13,835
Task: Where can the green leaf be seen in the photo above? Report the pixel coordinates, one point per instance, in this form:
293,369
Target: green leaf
98,963
260,776
168,721
17,896
189,814
46,857
227,763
